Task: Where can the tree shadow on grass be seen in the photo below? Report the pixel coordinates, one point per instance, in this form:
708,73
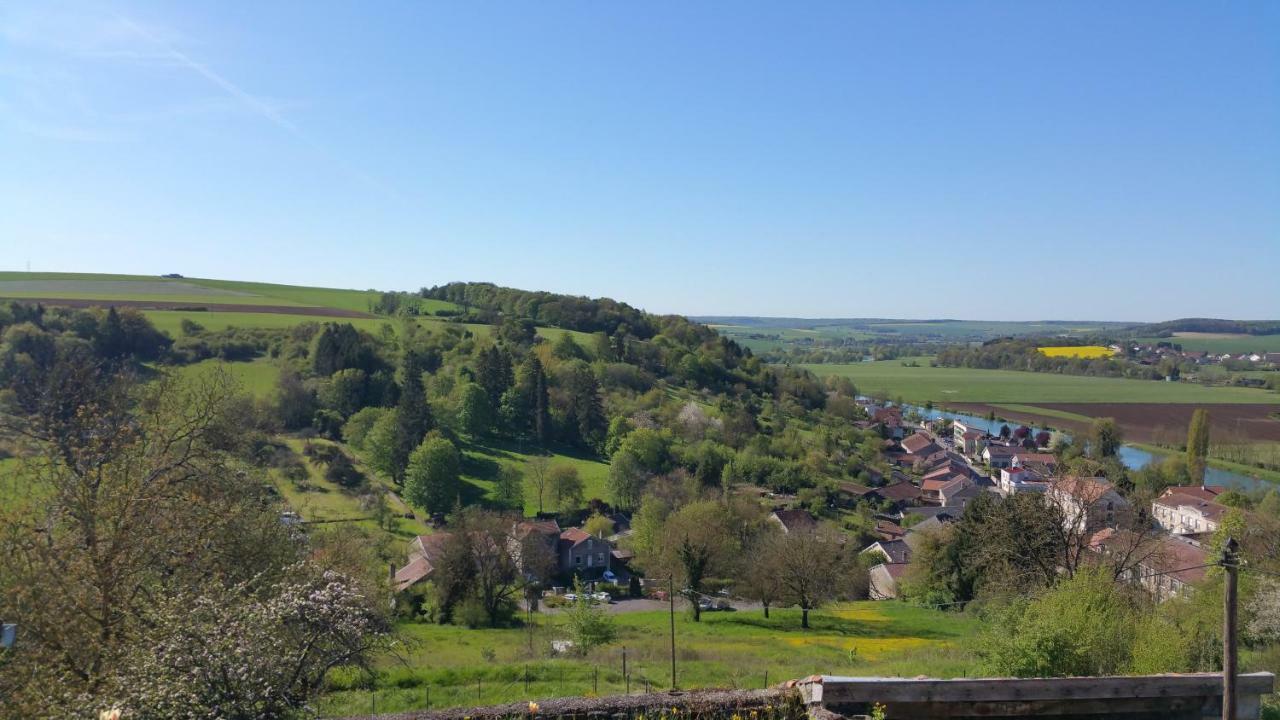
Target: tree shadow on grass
825,624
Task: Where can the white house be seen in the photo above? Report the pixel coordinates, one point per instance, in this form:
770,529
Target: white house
1088,504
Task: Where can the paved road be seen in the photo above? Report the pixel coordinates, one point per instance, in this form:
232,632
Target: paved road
629,605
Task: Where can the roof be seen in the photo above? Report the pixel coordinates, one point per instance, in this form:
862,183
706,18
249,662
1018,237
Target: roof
851,488
893,570
573,536
889,530
945,471
417,570
973,434
1201,492
1209,509
1005,450
1034,457
1173,556
896,551
430,547
793,520
1085,487
939,484
919,443
900,491
525,528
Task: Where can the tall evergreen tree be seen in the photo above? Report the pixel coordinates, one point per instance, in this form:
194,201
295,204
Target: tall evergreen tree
494,373
1198,445
541,403
413,415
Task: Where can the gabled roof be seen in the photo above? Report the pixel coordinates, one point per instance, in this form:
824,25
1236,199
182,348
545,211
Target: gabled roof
942,483
417,570
1003,450
900,491
573,536
973,434
1035,457
889,530
525,528
795,520
430,547
920,444
896,551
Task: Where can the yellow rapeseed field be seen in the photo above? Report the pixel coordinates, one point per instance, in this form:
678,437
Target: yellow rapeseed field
1084,351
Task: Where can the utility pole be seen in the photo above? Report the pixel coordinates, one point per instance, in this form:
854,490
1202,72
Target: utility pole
1230,563
671,595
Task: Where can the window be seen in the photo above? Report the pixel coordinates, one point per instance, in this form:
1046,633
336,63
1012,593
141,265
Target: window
578,559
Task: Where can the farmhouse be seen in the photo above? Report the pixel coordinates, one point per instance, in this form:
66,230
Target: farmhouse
425,552
583,554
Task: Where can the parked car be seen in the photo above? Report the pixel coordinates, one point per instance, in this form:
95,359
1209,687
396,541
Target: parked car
602,597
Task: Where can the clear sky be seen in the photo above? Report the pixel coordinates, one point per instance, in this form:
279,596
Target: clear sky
985,160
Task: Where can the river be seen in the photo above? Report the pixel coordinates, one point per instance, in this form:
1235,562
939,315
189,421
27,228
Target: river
1133,458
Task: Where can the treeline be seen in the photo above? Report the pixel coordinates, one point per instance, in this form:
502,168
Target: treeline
1024,354
490,303
1208,325
143,557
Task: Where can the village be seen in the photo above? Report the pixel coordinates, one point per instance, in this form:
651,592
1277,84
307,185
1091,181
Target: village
935,468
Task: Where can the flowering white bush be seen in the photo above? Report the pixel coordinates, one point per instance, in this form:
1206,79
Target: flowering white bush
233,654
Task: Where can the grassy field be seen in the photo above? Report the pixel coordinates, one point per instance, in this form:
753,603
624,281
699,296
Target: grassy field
89,286
940,385
481,462
1221,342
446,666
258,377
1083,351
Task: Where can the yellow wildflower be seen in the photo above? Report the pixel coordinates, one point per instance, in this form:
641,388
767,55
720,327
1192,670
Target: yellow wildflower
533,708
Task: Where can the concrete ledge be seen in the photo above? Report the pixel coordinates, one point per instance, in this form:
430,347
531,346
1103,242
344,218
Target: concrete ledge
1167,697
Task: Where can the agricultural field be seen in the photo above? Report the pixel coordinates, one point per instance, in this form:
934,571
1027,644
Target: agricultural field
192,291
450,666
1080,351
916,382
775,333
1220,342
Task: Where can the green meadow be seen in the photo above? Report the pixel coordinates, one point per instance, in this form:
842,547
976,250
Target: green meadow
448,666
922,383
1221,342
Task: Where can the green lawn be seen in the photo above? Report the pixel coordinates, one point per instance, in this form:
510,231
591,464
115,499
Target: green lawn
454,666
257,377
948,385
481,462
323,500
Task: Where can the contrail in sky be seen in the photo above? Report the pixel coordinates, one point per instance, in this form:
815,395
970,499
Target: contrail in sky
250,101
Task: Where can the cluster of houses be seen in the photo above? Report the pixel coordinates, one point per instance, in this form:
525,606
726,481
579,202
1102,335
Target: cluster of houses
572,552
1150,354
950,469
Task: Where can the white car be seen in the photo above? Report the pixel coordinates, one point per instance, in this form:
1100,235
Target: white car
571,597
603,597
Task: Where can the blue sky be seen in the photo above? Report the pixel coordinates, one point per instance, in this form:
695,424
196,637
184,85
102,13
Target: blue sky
985,160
